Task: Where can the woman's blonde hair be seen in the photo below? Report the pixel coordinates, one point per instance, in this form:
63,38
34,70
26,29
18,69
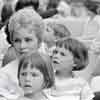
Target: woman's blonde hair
26,18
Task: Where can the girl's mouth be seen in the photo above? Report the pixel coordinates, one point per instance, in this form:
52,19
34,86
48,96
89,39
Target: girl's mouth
27,86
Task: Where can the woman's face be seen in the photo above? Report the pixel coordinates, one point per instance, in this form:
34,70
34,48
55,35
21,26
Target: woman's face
31,80
25,41
62,59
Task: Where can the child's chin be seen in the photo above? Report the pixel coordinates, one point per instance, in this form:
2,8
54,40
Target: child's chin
28,92
56,66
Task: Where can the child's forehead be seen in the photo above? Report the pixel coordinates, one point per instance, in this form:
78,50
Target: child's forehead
28,65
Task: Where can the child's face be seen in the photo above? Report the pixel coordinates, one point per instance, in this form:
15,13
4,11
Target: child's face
25,41
62,59
31,80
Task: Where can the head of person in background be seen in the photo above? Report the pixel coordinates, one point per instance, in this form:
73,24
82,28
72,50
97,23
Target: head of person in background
35,73
24,32
78,8
55,31
69,55
96,3
91,7
43,4
6,13
27,3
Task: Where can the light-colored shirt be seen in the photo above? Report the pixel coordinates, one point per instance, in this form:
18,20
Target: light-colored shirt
9,88
73,89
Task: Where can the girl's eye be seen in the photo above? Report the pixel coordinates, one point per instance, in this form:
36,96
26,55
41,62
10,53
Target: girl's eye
17,40
34,75
62,53
23,74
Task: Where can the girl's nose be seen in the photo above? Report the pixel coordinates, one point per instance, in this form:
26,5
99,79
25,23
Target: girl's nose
28,77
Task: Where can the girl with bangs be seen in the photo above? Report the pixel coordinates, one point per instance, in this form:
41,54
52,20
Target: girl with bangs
35,73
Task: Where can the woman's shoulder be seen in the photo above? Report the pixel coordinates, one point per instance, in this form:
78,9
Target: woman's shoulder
12,65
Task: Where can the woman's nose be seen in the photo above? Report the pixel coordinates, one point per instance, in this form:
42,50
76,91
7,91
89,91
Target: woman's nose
23,44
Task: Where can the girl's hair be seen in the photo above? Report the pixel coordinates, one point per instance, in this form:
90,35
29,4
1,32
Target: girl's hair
25,3
25,18
42,63
79,51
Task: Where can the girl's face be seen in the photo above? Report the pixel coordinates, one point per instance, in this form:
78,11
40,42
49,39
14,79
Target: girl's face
25,41
31,80
62,59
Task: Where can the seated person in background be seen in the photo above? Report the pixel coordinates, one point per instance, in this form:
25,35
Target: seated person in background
78,8
49,12
54,31
6,13
35,73
68,56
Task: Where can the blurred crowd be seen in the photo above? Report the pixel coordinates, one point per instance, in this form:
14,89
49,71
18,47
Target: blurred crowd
78,19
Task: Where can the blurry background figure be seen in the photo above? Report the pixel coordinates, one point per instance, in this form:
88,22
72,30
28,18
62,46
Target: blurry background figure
48,8
97,3
43,4
55,30
64,9
6,12
26,3
78,8
1,5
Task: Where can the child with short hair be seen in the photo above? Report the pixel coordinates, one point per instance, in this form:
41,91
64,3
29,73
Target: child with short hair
69,55
35,73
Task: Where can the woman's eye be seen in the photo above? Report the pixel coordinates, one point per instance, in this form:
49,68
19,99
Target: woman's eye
28,40
62,53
